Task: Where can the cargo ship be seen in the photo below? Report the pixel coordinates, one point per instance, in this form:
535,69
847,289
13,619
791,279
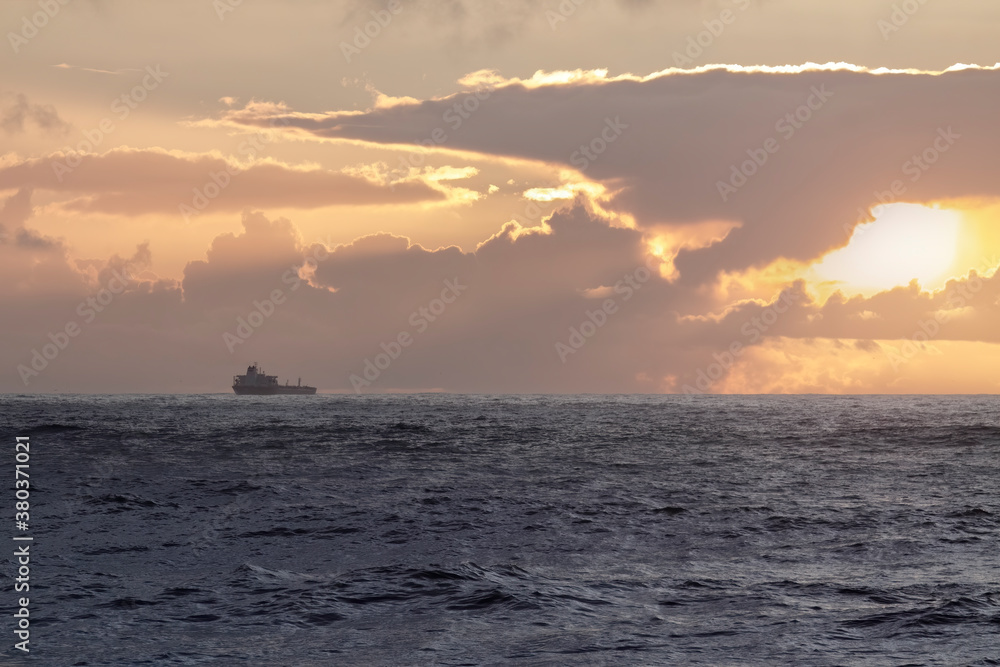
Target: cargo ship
257,383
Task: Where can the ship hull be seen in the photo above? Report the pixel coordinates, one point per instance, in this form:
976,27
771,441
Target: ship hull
279,390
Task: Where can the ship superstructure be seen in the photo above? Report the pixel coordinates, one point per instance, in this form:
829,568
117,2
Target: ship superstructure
257,382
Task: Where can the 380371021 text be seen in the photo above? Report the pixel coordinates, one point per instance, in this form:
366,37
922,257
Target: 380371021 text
22,550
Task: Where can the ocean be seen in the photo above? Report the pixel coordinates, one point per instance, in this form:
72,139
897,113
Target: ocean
491,530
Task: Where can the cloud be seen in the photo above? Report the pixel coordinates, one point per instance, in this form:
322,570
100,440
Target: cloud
525,292
477,24
35,270
15,212
520,293
96,71
829,142
128,181
249,263
17,112
528,290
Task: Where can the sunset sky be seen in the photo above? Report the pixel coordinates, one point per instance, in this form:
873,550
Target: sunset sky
655,196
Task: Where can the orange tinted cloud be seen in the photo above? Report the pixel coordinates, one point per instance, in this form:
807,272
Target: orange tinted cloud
526,291
129,181
796,155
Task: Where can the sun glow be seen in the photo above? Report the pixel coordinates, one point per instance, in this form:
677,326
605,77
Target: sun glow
905,242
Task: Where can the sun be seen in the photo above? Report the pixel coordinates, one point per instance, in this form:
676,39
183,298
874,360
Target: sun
905,242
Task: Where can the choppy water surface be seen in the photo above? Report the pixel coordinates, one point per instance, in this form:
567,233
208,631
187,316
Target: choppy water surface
457,530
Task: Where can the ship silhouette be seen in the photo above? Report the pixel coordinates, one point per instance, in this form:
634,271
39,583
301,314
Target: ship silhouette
257,383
